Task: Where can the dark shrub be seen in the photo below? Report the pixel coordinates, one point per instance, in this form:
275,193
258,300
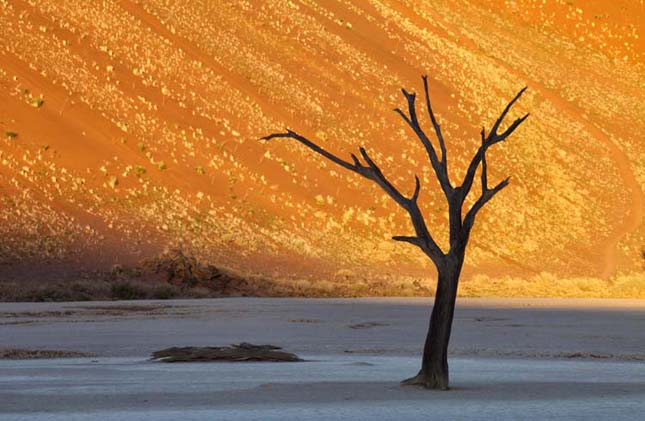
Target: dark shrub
165,292
127,291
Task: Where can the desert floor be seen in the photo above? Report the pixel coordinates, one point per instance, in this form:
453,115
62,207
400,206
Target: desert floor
511,359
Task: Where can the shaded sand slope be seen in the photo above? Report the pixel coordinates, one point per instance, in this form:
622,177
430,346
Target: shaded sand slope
147,136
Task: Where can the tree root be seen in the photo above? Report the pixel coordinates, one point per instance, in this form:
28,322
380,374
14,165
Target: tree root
427,382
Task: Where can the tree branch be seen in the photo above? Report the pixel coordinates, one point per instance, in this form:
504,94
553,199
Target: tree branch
486,196
484,167
377,175
435,125
488,141
417,189
412,240
371,171
506,110
355,167
412,120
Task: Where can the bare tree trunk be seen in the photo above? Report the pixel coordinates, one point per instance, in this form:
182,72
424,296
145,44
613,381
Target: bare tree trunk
434,366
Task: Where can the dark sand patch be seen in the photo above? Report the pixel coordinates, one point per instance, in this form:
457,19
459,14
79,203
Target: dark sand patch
367,325
107,310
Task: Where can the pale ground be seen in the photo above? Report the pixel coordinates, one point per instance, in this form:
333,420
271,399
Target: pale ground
511,359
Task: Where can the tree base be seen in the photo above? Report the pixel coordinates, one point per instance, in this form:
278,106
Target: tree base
427,381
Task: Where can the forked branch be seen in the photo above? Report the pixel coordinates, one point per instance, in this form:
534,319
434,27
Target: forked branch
371,171
489,140
487,195
438,165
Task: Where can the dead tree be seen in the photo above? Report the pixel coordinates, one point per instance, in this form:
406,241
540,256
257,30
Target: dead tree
434,366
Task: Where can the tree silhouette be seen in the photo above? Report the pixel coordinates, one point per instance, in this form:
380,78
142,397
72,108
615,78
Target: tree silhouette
434,368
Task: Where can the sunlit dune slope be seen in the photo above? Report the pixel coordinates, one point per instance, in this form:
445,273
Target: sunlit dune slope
130,126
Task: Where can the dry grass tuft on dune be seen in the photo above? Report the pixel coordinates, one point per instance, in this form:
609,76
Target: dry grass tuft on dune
131,127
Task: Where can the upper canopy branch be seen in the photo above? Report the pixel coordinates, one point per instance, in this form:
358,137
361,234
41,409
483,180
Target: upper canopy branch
371,171
489,140
435,125
438,165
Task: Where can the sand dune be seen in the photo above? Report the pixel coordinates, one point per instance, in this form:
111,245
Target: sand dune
130,126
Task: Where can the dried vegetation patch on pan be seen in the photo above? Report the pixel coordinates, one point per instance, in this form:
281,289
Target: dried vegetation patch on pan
30,354
234,353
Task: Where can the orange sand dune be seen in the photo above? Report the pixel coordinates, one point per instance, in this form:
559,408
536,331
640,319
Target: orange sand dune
146,134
